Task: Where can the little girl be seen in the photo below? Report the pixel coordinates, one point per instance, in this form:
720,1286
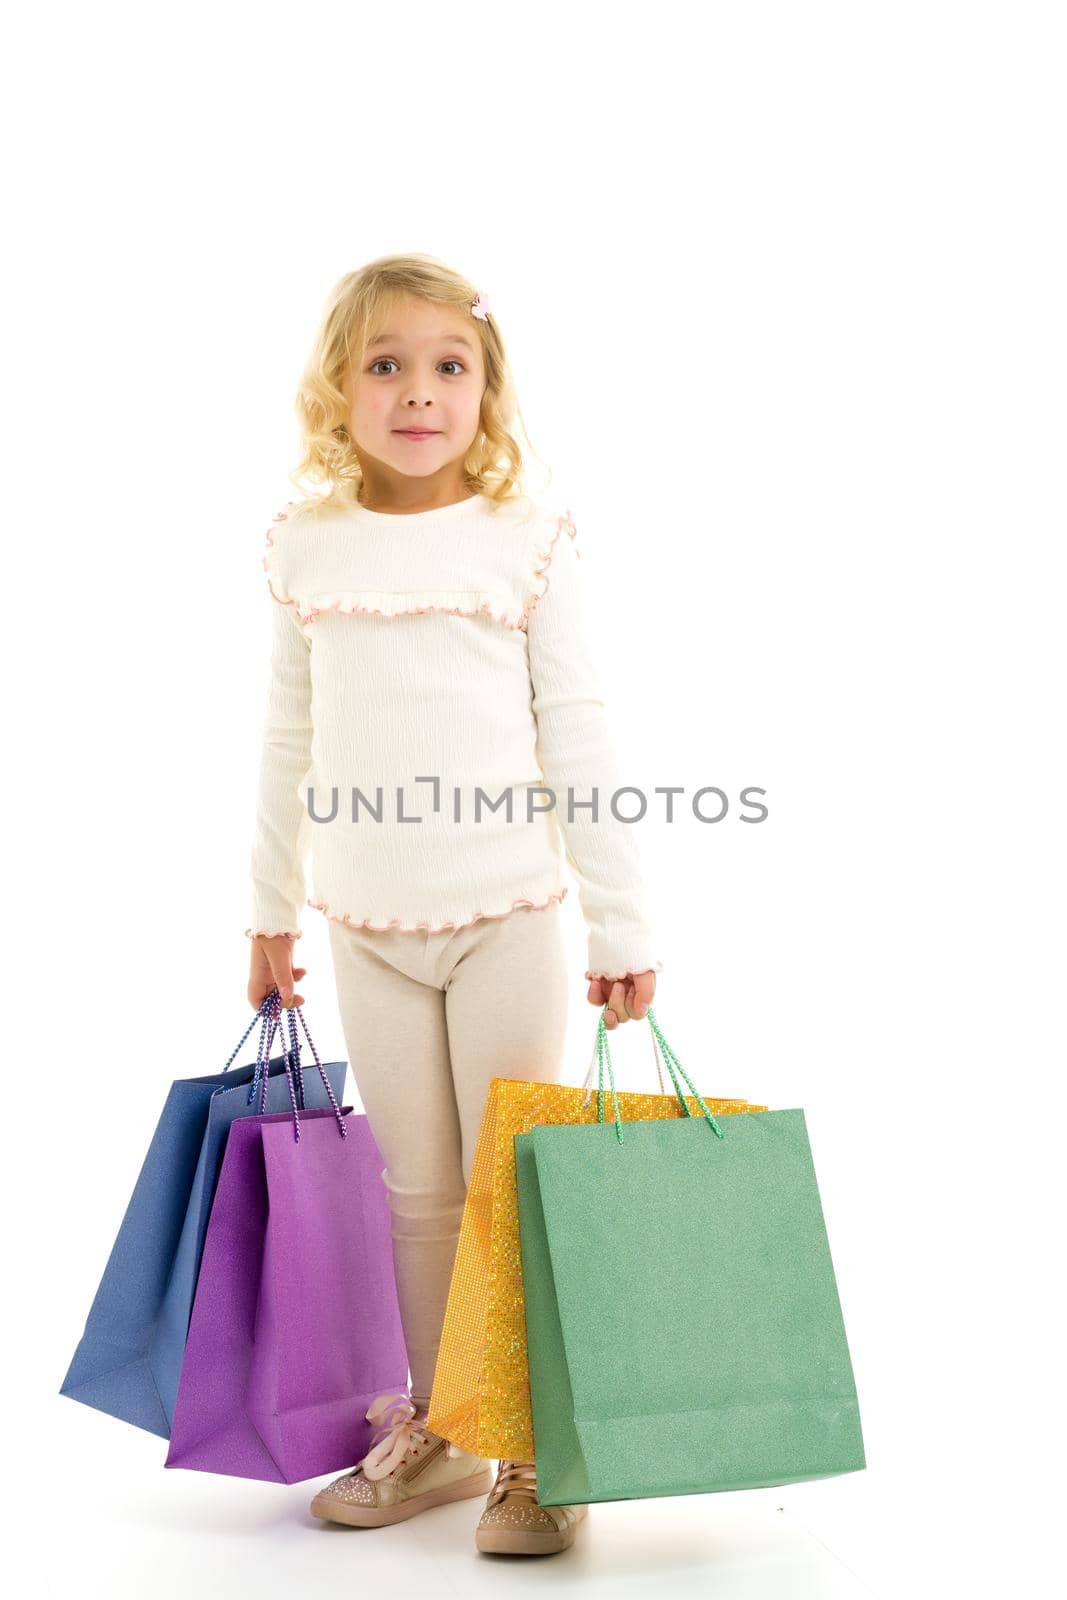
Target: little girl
436,733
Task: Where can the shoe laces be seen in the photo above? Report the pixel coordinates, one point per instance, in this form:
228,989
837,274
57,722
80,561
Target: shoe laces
515,1477
399,1427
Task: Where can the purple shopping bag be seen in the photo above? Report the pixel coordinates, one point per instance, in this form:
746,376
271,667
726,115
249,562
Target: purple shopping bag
296,1324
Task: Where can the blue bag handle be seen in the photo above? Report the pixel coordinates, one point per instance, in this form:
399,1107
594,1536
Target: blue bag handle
270,1012
291,1051
260,1014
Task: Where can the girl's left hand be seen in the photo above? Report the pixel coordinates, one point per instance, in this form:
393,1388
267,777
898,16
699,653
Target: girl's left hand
627,998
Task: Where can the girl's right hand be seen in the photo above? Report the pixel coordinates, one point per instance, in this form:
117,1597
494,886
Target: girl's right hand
272,967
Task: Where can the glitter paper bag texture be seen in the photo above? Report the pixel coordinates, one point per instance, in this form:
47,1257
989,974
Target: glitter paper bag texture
685,1334
481,1387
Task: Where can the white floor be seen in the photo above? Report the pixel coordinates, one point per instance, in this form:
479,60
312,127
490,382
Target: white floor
133,1528
198,1541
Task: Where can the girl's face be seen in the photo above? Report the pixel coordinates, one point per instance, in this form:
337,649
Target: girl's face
423,370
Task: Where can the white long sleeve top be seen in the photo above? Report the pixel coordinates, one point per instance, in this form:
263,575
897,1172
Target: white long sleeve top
417,661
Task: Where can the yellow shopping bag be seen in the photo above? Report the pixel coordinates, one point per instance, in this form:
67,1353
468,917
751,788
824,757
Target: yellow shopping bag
481,1387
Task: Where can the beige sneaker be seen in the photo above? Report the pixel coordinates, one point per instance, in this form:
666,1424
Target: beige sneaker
409,1470
513,1523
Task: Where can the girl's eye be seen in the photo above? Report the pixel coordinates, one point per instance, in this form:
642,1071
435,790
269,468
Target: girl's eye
450,361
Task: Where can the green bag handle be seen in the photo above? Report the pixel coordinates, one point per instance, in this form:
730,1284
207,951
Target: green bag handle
587,1081
604,1054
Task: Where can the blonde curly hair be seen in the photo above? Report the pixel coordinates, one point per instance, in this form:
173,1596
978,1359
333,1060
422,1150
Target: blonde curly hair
355,307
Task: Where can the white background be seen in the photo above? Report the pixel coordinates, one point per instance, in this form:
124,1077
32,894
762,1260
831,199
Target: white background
782,286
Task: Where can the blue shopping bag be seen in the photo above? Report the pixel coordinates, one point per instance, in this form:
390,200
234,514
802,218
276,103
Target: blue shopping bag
128,1360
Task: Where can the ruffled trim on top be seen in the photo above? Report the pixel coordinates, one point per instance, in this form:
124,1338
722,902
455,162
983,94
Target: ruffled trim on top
425,927
405,603
279,516
618,976
408,603
272,933
564,523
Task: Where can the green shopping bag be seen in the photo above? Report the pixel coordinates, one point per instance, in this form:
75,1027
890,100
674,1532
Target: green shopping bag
682,1318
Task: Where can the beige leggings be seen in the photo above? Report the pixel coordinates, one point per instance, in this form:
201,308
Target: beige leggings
428,1019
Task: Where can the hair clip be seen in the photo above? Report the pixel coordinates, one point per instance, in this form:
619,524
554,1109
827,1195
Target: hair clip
480,308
